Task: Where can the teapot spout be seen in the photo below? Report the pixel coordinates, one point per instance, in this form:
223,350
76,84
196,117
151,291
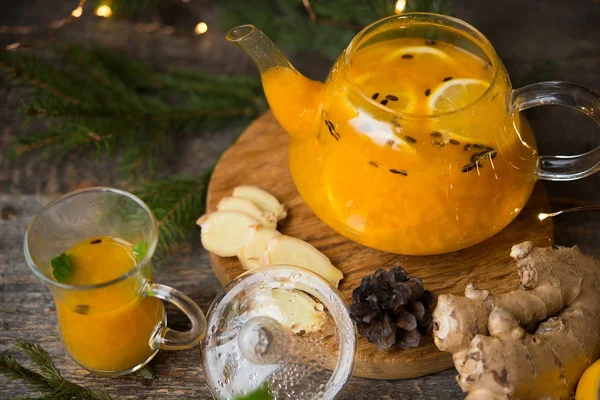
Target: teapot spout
294,99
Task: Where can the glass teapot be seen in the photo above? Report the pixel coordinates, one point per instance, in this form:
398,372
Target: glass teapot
414,144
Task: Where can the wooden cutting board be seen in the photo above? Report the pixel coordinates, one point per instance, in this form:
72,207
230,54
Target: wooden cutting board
260,157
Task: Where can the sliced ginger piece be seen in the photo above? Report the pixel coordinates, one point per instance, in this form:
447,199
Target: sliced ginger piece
267,219
292,251
293,309
262,199
252,255
224,233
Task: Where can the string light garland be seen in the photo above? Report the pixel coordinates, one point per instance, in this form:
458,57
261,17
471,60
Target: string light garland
78,12
103,11
201,28
543,216
400,6
52,27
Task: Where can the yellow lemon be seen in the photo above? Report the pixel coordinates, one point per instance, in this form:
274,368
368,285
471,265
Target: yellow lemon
456,94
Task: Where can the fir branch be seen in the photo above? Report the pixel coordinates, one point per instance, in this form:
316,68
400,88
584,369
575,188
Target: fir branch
95,99
177,203
318,25
50,381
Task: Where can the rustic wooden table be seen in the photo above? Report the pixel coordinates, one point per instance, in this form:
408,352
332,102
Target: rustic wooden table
565,32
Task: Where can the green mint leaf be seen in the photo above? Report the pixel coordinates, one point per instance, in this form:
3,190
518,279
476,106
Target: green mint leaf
61,267
140,250
262,393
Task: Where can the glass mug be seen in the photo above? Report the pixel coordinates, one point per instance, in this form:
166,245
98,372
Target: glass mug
421,181
115,327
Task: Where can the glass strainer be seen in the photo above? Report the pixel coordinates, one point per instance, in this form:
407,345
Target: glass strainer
280,326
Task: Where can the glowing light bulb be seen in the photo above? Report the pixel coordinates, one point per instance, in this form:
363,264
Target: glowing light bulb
77,12
543,216
103,11
201,28
400,6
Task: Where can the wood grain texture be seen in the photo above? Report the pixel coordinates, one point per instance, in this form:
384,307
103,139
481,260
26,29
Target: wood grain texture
259,157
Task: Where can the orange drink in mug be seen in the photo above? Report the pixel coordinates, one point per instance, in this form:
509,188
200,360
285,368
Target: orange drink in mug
93,248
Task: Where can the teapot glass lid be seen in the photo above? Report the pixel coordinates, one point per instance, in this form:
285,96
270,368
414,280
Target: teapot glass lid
280,327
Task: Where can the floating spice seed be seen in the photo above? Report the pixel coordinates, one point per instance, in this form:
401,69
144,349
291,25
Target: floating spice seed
476,157
375,96
454,142
410,139
427,92
407,56
468,167
478,146
82,309
373,163
438,143
430,42
395,122
390,142
332,130
96,241
468,147
494,96
384,102
399,172
435,134
446,79
391,97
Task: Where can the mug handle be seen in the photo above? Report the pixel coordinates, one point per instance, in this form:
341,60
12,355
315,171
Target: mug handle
561,168
165,338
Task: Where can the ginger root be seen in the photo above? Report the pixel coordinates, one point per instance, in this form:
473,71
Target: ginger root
263,200
267,219
496,357
244,226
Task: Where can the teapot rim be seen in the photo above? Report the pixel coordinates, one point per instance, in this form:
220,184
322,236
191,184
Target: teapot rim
426,17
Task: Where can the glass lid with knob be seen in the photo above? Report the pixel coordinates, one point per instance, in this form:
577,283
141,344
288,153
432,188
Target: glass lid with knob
280,327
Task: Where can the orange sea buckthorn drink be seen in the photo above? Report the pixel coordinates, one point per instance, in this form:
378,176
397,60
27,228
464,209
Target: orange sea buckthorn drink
110,314
108,329
412,145
396,165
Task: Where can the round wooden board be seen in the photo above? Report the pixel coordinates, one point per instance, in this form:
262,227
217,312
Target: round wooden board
259,157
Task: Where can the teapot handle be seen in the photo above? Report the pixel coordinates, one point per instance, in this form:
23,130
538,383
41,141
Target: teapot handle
561,168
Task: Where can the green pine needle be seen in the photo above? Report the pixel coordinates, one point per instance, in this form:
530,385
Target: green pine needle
177,203
50,381
99,100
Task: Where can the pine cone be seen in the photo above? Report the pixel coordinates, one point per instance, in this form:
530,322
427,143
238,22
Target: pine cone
389,308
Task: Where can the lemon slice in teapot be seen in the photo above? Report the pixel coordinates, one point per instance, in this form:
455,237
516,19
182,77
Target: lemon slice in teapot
456,94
